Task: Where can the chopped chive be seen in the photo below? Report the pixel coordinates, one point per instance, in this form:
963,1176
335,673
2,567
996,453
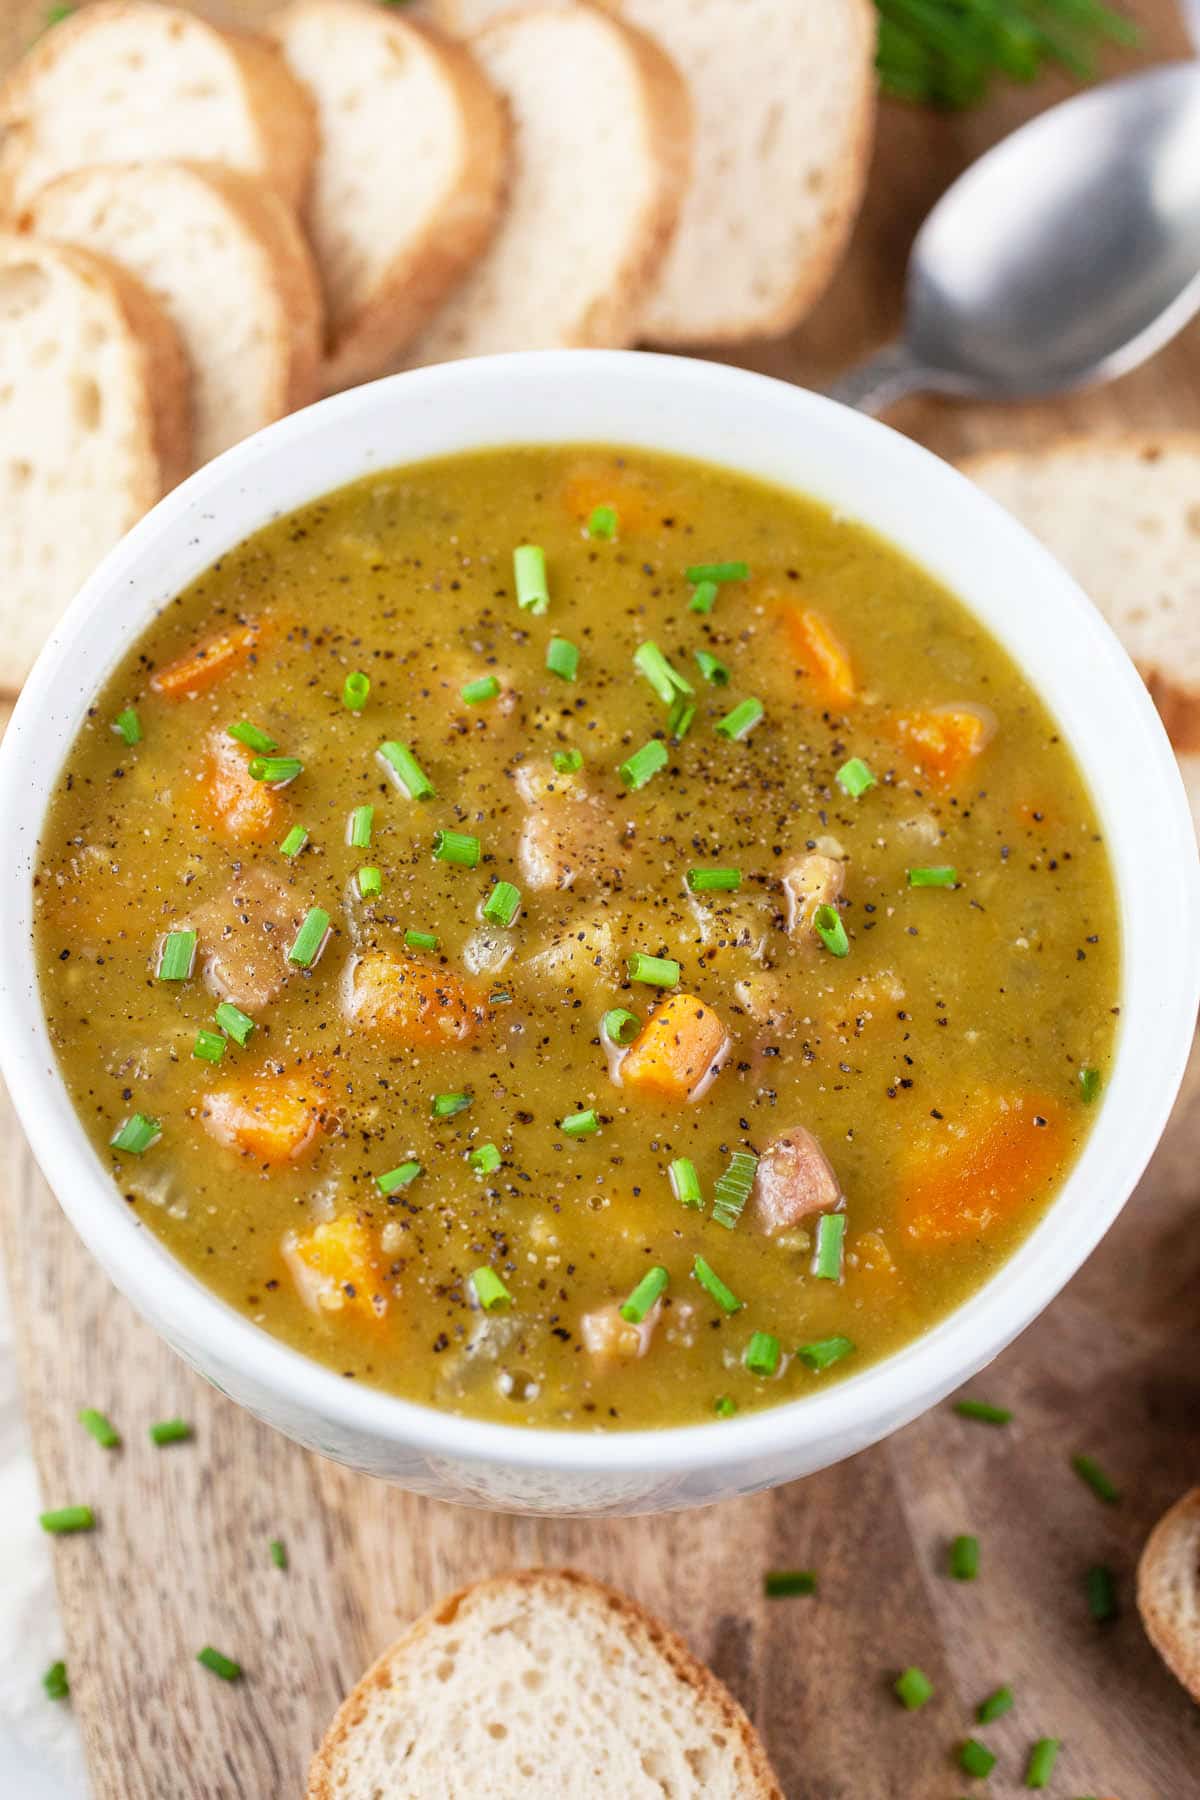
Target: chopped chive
457,847
654,971
102,1429
474,693
177,956
407,770
784,1584
913,1689
370,881
278,1553
580,1124
566,762
943,876
485,1159
128,726
733,1188
502,904
680,719
55,1681
65,1519
982,1412
855,778
964,1558
421,940
1089,1471
529,574
1042,1759
57,13
620,1027
827,923
562,659
252,737
824,1352
975,1758
712,1284
294,842
831,1233
170,1431
310,938
234,1023
499,997
725,1406
446,1106
744,717
712,668
1101,1593
209,1046
714,881
1089,1085
685,1183
490,1291
995,1706
603,522
644,764
398,1178
762,1354
277,771
704,597
663,677
355,689
136,1134
648,1290
721,571
224,1666
361,824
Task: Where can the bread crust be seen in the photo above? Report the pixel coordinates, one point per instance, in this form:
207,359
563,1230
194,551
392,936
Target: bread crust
1172,1553
654,1636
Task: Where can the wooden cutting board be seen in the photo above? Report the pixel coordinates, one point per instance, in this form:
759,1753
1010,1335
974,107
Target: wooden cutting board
180,1557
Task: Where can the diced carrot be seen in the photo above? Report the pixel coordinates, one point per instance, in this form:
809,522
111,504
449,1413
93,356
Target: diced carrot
639,502
964,1183
273,1118
411,1001
944,742
824,659
677,1049
230,801
336,1267
207,662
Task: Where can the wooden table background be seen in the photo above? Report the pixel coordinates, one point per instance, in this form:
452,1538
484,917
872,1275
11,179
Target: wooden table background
180,1556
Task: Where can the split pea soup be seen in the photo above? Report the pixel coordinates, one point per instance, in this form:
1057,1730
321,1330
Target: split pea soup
578,938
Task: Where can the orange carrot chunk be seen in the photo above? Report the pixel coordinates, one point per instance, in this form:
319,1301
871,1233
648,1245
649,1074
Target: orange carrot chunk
230,802
273,1118
206,663
823,658
944,742
966,1182
411,1001
336,1267
676,1050
636,500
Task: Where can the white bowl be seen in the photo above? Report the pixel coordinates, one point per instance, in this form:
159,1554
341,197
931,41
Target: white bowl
870,474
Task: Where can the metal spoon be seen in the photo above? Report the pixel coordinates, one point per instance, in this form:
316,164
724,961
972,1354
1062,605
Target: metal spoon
1066,255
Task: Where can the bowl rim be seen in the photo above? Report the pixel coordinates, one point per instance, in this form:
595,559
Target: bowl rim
1129,1119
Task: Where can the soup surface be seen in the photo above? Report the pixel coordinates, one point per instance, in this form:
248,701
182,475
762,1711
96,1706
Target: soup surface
703,989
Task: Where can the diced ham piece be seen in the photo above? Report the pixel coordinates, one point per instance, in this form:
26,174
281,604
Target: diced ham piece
244,938
609,1338
814,881
568,839
795,1179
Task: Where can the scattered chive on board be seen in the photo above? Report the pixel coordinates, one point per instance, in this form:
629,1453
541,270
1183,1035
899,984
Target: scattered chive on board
1042,1759
976,1759
783,1584
964,1558
490,1291
221,1665
355,690
648,1290
458,847
529,575
63,1520
1101,1593
136,1134
55,1679
177,956
128,726
101,1428
824,1352
234,1022
278,1553
982,1412
913,1689
397,1178
407,770
995,1706
310,938
170,1431
1101,1484
712,1284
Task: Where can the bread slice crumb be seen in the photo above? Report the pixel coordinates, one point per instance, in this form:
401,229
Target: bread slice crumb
1168,1590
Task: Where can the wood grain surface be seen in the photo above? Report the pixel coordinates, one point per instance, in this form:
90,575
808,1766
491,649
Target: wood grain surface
181,1554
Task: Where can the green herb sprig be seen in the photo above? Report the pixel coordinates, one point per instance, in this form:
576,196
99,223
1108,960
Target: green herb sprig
948,52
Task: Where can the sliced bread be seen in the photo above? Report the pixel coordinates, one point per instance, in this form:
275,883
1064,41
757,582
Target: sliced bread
601,126
785,99
93,428
226,260
410,177
129,81
540,1683
1168,1590
1123,515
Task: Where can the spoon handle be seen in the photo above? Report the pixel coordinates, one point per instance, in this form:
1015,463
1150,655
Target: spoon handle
878,382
